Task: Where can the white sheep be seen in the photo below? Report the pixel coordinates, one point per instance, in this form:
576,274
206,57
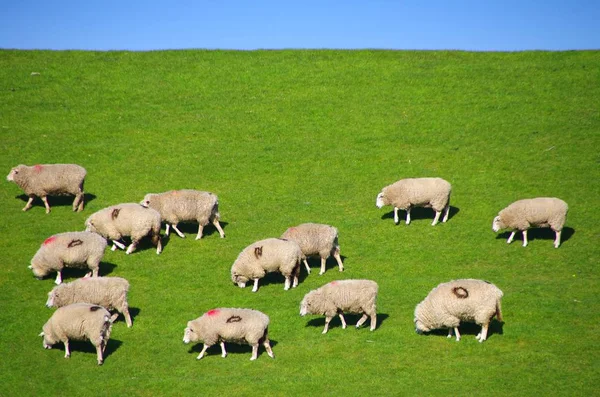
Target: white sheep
316,239
417,192
266,256
79,321
186,205
536,212
230,325
108,292
70,249
44,180
459,300
128,219
337,297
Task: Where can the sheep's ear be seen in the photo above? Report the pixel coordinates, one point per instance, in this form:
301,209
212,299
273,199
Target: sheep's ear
30,267
41,333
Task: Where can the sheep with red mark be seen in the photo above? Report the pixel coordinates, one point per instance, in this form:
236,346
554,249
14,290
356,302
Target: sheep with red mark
45,180
186,205
267,256
70,249
108,292
79,321
343,296
451,303
316,239
128,219
230,325
417,192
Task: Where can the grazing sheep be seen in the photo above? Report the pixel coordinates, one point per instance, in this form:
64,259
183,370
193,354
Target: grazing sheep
186,205
459,300
44,180
537,212
417,192
316,239
108,292
129,219
79,321
70,249
337,297
230,325
266,256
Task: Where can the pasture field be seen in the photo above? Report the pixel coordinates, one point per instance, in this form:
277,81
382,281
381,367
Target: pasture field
287,137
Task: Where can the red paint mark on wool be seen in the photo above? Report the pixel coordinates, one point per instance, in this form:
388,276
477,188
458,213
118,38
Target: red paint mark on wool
49,240
333,282
37,168
213,312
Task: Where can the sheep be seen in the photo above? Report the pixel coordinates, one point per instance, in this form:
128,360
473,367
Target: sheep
186,205
337,297
44,180
70,249
79,321
417,192
108,292
266,256
316,239
536,212
128,219
459,300
230,325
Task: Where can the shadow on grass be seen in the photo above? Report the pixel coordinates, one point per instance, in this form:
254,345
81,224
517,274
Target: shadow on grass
419,213
57,201
538,234
78,346
496,328
232,348
190,229
351,320
72,273
133,313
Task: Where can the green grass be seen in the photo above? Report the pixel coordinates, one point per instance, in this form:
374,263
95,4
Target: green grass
286,137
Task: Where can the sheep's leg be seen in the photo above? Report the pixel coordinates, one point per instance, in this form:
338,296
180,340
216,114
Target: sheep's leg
125,311
511,237
449,333
254,352
483,334
178,231
95,272
267,346
117,244
408,216
200,230
223,351
288,282
255,288
167,229
78,202
58,278
295,282
219,228
81,202
446,213
327,321
396,219
45,200
557,239
362,320
437,218
338,258
343,320
99,350
457,333
204,349
524,238
131,247
29,203
373,322
323,260
67,351
306,265
156,240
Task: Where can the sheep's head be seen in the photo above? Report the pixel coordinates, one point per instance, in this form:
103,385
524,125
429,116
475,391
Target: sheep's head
147,201
497,224
48,341
189,335
381,201
239,279
307,303
38,270
55,296
420,325
89,225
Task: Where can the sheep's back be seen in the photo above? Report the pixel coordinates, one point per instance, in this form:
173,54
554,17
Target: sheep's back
351,295
313,238
109,292
77,321
188,205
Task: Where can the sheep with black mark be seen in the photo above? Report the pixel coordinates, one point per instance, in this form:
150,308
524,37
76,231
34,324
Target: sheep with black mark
343,296
451,303
230,325
316,239
108,292
45,180
70,249
186,205
128,219
267,256
417,192
536,212
79,321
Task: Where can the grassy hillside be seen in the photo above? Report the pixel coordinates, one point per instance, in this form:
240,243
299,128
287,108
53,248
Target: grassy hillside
286,137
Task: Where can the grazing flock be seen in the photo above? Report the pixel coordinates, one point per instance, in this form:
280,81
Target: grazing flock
83,305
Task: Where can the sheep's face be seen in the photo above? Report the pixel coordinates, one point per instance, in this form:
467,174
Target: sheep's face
306,305
11,175
189,335
420,327
497,224
239,279
48,341
89,225
380,202
53,297
146,202
38,271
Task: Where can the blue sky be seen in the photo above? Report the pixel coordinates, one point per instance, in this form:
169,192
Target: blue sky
268,24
